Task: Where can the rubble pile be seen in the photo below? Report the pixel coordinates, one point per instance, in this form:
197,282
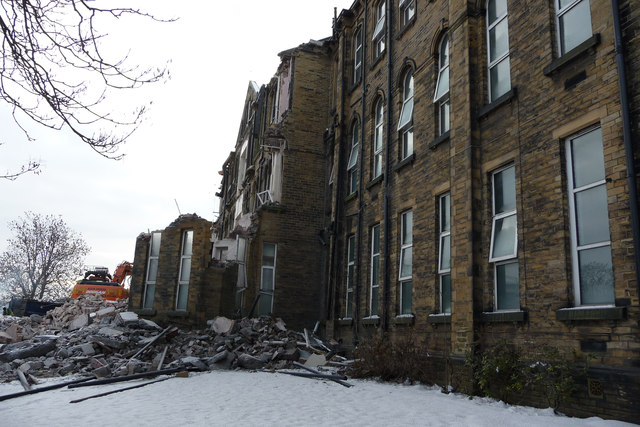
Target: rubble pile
92,336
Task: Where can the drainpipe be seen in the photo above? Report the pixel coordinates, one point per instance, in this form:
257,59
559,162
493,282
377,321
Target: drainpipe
628,143
358,285
387,171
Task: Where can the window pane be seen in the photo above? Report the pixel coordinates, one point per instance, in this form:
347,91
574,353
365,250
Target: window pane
596,276
445,252
406,302
155,244
353,157
374,301
407,227
349,303
376,239
444,116
153,270
377,166
350,275
592,215
444,53
496,9
242,249
443,84
268,254
375,271
406,114
185,270
148,296
504,237
445,213
500,78
353,180
504,190
350,249
445,293
267,279
407,261
587,158
264,304
407,143
575,26
183,293
499,40
187,243
508,285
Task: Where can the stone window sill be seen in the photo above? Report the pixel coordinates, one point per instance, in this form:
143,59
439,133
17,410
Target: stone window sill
178,313
578,51
406,161
370,321
404,319
374,181
439,140
439,319
503,316
591,313
351,196
502,99
145,311
347,321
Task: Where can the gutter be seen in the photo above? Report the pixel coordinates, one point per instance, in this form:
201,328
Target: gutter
628,143
387,170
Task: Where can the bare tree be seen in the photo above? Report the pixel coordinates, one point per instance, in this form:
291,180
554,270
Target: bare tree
43,258
55,71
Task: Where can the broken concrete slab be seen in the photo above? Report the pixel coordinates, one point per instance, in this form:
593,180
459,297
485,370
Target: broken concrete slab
22,350
249,362
110,332
125,318
105,312
222,325
315,360
79,322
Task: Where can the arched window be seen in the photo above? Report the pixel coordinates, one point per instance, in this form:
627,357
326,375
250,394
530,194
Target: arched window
441,96
380,29
498,49
352,166
357,59
405,124
407,10
377,139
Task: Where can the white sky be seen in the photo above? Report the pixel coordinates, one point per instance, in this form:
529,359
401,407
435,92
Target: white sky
215,49
230,398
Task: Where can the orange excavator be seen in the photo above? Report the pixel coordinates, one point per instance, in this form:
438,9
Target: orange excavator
99,282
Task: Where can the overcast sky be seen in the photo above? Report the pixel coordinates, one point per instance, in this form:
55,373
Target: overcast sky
215,49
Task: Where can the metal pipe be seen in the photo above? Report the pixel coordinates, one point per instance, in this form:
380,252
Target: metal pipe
628,143
386,296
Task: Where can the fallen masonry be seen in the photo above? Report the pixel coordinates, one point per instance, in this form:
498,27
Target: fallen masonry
92,337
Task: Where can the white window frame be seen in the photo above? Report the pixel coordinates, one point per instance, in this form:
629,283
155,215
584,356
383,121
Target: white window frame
380,28
242,244
268,269
444,233
151,283
351,262
357,56
442,98
374,283
560,12
499,59
184,283
352,165
404,248
502,215
576,248
378,139
407,11
406,125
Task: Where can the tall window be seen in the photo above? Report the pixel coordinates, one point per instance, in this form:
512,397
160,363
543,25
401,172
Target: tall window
444,257
267,278
241,258
504,240
377,139
152,270
405,124
351,266
498,48
441,97
380,29
406,262
407,10
352,166
185,270
357,60
590,238
375,270
573,19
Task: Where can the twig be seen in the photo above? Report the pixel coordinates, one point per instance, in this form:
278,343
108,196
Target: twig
118,391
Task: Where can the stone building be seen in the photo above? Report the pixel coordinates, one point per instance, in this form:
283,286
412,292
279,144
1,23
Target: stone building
484,183
174,279
272,195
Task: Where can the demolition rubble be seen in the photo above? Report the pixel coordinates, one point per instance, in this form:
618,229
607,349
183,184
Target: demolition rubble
93,337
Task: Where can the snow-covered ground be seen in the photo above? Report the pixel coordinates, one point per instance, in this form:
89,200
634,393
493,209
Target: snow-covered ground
224,398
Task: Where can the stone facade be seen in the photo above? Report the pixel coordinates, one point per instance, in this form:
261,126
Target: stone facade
528,282
207,288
